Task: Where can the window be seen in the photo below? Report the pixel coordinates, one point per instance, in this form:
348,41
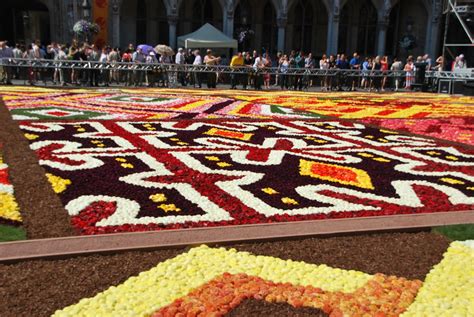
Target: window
141,22
303,26
202,13
270,32
367,29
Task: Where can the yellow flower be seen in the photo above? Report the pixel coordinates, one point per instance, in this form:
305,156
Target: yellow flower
158,198
269,191
59,184
381,159
169,207
8,207
451,181
365,154
144,294
31,136
289,201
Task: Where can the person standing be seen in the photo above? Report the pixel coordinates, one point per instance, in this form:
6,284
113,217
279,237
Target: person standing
396,69
308,65
197,62
324,65
427,60
276,64
17,53
266,76
114,58
248,62
409,69
104,73
284,65
342,65
53,50
298,64
94,57
165,59
211,60
127,58
366,67
355,66
150,74
384,63
258,66
190,61
331,66
440,63
236,62
61,56
6,53
138,58
180,60
460,63
376,74
74,55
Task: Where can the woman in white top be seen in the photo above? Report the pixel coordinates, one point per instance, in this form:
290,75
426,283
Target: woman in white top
409,69
284,65
324,64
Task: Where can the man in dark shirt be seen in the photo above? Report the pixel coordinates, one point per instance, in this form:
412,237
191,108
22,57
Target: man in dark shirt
342,64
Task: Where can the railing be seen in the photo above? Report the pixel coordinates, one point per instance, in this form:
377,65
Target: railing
174,68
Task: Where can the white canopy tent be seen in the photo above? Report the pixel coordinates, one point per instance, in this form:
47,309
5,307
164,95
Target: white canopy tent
207,36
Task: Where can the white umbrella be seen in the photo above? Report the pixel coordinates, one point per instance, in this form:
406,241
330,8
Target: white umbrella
164,50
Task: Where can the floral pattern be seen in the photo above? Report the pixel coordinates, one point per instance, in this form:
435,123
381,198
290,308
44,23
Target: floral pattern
213,281
101,105
449,287
457,129
216,280
9,210
155,104
197,173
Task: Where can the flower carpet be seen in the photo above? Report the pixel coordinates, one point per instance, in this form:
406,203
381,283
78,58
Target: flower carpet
110,105
9,210
125,160
214,281
27,103
173,159
197,173
457,129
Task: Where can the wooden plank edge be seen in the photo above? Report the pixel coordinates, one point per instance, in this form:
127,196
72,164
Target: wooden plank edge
109,243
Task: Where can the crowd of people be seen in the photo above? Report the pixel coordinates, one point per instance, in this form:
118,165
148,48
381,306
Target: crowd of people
263,71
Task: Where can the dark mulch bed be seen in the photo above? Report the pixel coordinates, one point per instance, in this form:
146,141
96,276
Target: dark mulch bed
43,213
38,288
409,255
259,308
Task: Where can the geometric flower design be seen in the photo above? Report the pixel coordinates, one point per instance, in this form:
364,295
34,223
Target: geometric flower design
150,103
111,105
335,173
9,210
214,281
448,289
233,172
457,129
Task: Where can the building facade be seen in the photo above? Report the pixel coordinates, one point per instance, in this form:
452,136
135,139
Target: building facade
370,27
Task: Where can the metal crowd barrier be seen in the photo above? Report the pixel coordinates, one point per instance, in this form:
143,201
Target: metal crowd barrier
174,68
